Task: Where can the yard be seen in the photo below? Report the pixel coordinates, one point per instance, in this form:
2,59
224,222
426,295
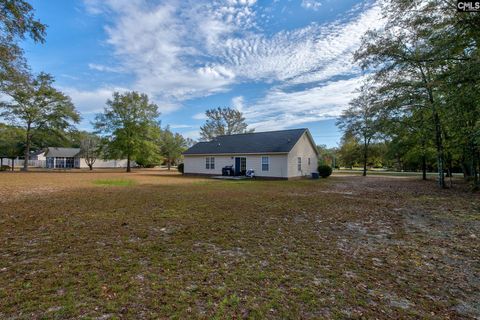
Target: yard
152,244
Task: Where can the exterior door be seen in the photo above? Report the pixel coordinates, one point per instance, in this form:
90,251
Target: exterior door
240,166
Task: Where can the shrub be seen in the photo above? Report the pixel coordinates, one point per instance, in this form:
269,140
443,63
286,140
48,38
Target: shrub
5,168
324,171
180,167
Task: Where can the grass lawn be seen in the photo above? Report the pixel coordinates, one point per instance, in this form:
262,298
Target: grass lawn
152,244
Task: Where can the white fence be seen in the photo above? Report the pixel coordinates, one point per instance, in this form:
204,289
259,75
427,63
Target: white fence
19,163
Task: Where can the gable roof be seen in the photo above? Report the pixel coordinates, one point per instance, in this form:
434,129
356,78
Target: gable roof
62,152
257,142
37,153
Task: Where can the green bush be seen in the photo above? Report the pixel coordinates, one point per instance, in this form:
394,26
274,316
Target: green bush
324,171
5,168
180,167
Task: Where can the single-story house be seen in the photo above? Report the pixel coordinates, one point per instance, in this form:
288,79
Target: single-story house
71,158
275,154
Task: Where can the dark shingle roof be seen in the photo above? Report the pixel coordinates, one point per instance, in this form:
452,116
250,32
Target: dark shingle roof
62,152
257,142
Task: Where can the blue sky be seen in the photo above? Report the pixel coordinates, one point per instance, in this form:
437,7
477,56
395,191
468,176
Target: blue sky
284,64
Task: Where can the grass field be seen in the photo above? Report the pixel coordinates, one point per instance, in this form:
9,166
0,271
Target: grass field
152,244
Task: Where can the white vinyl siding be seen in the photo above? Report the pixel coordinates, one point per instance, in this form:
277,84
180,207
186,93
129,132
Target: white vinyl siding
265,164
303,149
277,164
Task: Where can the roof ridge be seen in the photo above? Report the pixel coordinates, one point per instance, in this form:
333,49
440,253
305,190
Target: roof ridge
245,133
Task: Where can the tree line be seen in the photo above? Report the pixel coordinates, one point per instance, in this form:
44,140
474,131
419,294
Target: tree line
128,128
419,107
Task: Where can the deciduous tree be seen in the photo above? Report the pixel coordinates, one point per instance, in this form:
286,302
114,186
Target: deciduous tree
126,124
17,20
361,120
90,149
171,146
37,106
223,121
11,143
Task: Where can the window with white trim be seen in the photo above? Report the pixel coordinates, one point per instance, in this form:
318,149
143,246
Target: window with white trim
265,164
299,163
308,161
210,163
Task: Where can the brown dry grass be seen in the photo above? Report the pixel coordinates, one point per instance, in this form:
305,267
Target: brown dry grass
177,247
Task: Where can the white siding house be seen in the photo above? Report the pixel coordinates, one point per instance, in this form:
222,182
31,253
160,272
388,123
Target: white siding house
275,154
69,158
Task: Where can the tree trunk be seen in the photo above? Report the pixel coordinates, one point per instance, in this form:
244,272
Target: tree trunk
168,164
13,164
128,163
365,157
440,156
1,163
438,130
424,159
424,167
27,149
449,165
476,165
90,166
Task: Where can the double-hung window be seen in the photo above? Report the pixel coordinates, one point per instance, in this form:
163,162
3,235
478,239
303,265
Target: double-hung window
299,163
209,163
265,164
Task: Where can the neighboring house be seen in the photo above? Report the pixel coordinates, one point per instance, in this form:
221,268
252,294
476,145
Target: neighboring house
37,155
71,158
275,154
62,157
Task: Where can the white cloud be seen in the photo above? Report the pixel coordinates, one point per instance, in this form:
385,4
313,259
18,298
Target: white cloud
313,53
88,102
311,4
193,134
188,49
179,50
199,116
238,103
180,126
93,101
162,43
103,68
280,109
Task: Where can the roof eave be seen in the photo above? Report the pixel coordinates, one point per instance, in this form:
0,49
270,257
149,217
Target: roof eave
232,153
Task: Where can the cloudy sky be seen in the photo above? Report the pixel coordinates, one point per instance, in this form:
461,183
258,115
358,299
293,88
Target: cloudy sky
284,63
